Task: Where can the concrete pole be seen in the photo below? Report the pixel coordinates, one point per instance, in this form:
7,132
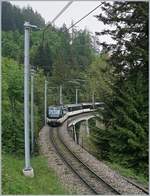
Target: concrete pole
87,128
93,98
71,33
75,136
72,132
45,101
95,42
82,141
28,171
60,95
76,95
26,96
32,111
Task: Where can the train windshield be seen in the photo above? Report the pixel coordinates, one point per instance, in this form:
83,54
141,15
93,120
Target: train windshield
54,112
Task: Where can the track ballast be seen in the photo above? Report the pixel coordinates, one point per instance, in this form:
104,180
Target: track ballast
89,177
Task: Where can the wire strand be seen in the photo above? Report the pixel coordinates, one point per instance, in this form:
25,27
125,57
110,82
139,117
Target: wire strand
85,16
56,17
61,12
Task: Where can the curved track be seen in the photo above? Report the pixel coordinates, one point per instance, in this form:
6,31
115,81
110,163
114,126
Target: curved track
144,190
89,177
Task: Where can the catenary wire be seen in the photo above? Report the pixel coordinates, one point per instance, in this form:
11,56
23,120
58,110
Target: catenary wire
56,17
75,22
61,12
84,16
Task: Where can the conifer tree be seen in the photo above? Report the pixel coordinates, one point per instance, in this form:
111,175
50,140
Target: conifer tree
125,136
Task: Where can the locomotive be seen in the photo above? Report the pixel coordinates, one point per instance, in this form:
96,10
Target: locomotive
56,115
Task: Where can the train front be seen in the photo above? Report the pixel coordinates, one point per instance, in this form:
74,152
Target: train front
54,113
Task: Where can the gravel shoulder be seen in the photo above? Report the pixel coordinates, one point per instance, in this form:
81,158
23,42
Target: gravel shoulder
109,175
70,181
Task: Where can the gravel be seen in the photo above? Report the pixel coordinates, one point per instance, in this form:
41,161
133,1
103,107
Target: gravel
70,181
108,175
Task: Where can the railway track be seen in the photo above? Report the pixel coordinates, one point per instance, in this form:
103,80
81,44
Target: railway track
145,190
89,177
140,187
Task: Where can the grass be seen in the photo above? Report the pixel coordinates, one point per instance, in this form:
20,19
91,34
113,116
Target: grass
14,182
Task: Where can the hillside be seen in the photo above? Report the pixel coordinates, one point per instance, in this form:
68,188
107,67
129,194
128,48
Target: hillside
13,17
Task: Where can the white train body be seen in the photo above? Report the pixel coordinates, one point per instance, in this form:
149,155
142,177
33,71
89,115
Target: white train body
58,114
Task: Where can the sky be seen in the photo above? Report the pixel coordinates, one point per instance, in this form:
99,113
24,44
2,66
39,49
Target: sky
49,9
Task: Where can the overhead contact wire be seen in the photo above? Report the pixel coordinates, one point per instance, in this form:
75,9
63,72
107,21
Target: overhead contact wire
61,12
85,16
56,17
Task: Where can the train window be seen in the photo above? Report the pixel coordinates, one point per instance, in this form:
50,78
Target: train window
65,110
69,109
54,112
87,105
74,107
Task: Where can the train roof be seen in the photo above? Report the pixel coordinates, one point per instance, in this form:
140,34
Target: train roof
73,105
96,103
54,106
87,103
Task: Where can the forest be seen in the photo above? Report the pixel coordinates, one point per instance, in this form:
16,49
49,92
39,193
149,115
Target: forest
117,75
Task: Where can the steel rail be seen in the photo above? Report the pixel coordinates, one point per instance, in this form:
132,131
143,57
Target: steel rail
67,163
129,181
138,186
83,165
86,166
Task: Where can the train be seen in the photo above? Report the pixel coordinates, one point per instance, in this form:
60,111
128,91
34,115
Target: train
56,115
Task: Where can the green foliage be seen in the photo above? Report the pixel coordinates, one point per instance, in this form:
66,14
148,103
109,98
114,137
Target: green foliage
13,17
65,67
12,106
43,58
119,78
53,52
124,139
12,45
129,129
49,56
82,49
99,77
130,33
39,80
14,182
